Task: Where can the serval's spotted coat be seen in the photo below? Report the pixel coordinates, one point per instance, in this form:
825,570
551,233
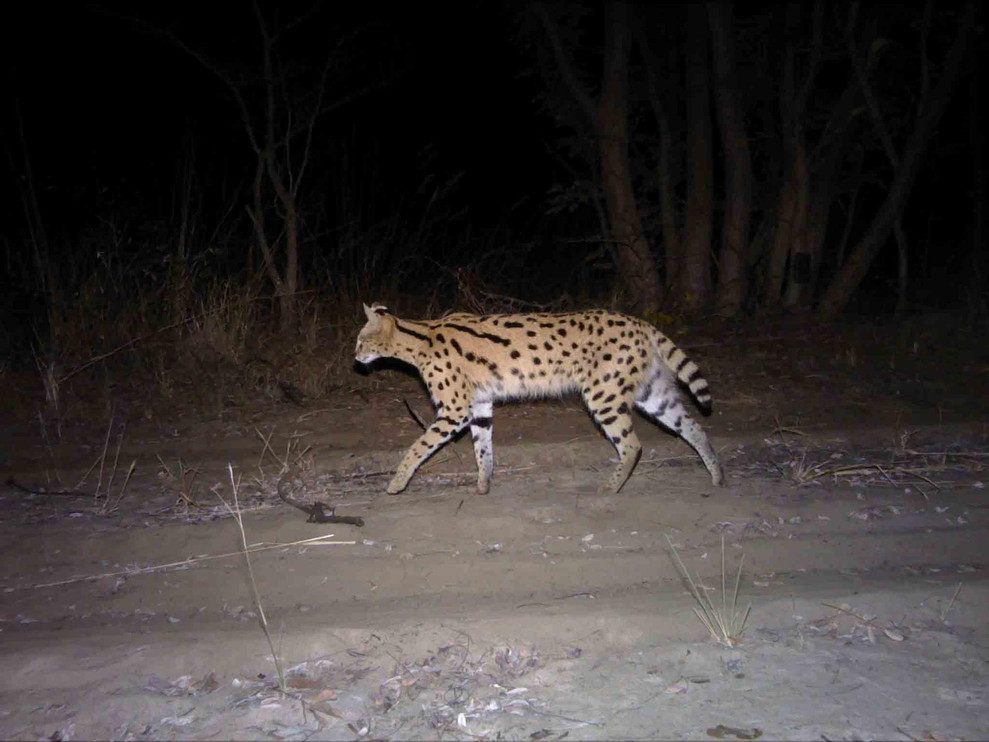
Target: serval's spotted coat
468,362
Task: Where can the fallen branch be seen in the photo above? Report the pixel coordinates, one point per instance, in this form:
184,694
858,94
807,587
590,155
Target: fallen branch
317,512
315,541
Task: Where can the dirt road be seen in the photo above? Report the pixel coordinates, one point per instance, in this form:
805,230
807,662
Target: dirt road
542,610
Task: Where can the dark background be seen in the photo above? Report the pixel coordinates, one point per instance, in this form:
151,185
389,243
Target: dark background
108,103
442,114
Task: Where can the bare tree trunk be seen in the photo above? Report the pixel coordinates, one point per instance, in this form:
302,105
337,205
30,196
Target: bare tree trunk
665,175
732,279
256,214
636,264
805,255
609,116
844,284
282,118
695,286
288,317
789,218
788,245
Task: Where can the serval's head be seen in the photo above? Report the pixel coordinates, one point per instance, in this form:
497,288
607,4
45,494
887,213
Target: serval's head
377,336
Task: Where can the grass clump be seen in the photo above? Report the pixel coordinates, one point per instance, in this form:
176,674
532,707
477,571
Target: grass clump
725,622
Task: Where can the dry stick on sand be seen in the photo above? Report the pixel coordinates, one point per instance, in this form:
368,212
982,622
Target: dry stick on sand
314,541
870,623
947,609
810,473
318,512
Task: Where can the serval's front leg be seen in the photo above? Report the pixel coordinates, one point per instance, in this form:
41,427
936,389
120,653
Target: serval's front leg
442,430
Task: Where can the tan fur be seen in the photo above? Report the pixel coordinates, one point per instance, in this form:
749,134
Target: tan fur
614,361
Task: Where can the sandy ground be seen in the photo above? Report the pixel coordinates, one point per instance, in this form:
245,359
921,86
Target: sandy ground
540,611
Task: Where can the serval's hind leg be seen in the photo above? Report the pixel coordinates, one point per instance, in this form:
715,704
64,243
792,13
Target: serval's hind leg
613,413
480,431
660,401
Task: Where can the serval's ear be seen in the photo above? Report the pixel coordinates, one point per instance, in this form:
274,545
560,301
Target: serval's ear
374,314
373,319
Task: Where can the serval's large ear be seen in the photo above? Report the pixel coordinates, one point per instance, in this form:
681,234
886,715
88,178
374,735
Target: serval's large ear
374,314
373,319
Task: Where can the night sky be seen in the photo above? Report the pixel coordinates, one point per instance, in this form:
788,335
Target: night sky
108,99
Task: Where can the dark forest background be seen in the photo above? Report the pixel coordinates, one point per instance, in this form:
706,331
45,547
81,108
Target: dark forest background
189,187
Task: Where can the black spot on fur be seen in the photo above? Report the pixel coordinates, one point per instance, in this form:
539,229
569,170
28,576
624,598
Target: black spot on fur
413,333
483,335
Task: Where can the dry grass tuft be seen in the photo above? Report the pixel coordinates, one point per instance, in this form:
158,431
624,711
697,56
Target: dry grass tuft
726,623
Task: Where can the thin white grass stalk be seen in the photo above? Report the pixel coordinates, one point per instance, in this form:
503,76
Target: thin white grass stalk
699,596
740,626
727,624
947,609
116,503
724,593
301,454
314,541
296,455
282,685
106,444
113,471
88,472
266,447
164,466
185,489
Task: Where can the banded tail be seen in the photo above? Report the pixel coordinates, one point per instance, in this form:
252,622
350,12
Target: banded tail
686,371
